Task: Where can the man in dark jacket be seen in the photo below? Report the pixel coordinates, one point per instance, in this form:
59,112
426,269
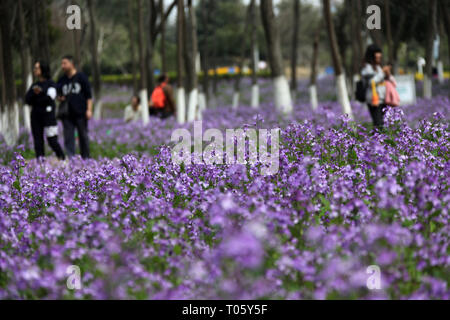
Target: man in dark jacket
74,87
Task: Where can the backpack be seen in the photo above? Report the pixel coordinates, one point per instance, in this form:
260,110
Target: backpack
159,97
361,90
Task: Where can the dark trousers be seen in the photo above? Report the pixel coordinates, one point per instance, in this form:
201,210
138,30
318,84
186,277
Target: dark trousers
161,113
377,114
38,131
81,125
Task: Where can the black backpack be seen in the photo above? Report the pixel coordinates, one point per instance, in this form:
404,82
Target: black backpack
361,90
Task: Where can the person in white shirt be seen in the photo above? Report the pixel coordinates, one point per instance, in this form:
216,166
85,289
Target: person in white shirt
133,111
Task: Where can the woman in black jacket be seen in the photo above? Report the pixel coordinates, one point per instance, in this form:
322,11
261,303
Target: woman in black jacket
41,97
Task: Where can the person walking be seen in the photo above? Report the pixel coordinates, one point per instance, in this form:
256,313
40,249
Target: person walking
41,97
162,103
74,87
374,76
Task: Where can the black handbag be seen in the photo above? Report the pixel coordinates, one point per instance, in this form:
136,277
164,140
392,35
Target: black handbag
361,90
63,108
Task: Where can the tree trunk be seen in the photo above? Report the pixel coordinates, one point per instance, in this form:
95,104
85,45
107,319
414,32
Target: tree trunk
76,47
358,31
354,25
152,15
10,109
2,79
237,80
446,18
44,42
296,26
131,21
432,28
283,101
143,67
214,55
396,41
34,42
25,59
254,58
76,42
387,11
205,10
95,62
163,38
193,93
337,62
313,80
375,35
181,98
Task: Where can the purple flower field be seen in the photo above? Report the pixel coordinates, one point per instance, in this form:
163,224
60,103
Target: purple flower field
140,227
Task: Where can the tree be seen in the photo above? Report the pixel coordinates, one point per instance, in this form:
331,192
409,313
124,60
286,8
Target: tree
9,124
283,100
313,79
131,21
155,25
44,42
356,4
143,93
163,37
95,62
296,26
355,32
337,61
237,80
387,15
76,39
25,60
444,5
375,34
432,30
192,56
205,11
181,98
254,53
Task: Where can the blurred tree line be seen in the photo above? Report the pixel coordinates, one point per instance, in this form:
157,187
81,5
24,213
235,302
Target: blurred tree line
46,33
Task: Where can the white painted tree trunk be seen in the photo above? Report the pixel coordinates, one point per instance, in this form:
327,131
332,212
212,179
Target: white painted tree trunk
144,106
440,69
283,100
27,108
192,105
313,97
255,96
181,105
236,96
10,125
355,80
427,87
98,109
201,105
343,95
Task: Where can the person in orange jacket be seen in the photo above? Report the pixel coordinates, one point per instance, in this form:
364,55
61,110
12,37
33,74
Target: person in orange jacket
162,102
